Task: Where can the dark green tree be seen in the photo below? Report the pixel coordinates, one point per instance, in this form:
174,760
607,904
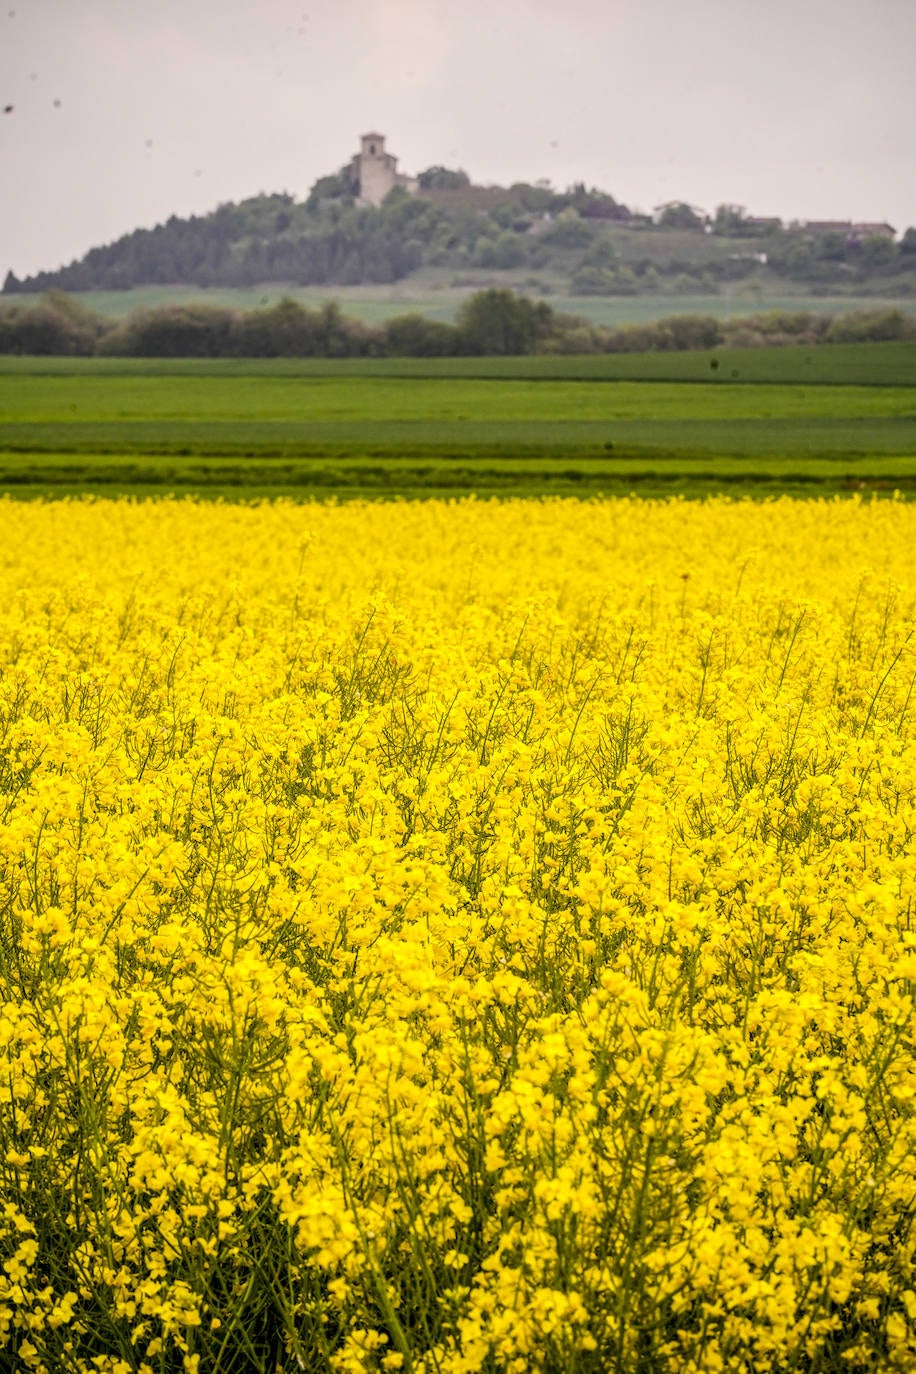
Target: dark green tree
680,215
498,321
443,179
831,247
877,254
414,336
729,220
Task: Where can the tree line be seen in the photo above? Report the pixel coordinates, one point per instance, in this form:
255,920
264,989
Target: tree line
491,322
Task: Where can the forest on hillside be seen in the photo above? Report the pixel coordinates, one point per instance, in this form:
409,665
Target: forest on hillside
581,237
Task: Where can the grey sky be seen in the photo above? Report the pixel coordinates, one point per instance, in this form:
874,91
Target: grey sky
801,108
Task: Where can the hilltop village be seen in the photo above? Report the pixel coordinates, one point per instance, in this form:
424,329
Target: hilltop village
375,173
369,222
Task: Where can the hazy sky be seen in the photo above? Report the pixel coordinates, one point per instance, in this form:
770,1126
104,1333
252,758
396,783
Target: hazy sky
127,111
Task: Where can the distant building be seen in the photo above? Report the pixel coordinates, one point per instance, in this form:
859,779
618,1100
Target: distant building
874,231
377,171
827,226
853,233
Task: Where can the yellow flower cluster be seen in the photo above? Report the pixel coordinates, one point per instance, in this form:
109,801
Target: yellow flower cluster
455,937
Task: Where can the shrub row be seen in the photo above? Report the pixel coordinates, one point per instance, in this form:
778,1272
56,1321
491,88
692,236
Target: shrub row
494,321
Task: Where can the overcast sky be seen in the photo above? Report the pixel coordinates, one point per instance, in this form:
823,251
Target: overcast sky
127,111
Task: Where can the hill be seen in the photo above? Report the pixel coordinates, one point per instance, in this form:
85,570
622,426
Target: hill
581,240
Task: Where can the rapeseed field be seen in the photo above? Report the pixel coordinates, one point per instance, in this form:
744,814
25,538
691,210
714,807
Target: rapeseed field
456,937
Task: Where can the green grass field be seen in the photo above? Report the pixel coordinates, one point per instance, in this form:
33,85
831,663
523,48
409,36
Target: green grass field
885,364
832,419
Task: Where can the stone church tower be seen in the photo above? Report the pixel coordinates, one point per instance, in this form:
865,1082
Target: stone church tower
377,171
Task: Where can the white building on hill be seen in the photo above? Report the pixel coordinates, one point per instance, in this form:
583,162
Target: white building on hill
377,171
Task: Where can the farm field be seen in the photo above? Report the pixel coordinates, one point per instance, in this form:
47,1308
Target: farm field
871,364
835,418
457,936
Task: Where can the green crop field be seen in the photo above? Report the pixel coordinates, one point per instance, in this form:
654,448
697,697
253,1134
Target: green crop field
873,364
830,419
